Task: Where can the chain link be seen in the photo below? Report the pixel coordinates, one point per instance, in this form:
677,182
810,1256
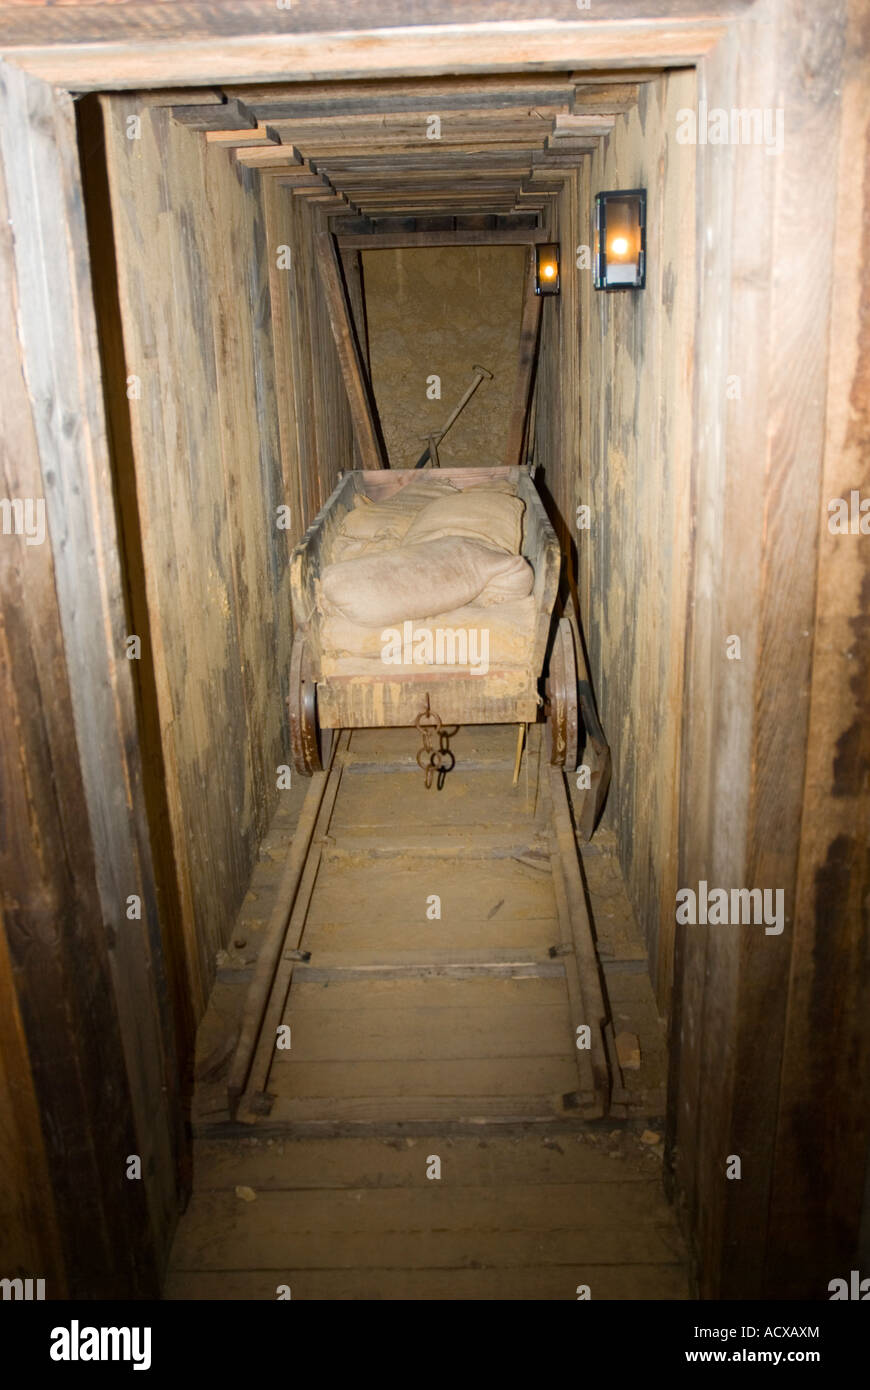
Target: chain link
438,760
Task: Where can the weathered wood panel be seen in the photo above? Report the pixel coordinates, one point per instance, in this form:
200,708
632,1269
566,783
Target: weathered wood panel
747,1027
557,382
102,47
634,476
527,354
209,480
316,427
816,1205
104,273
88,975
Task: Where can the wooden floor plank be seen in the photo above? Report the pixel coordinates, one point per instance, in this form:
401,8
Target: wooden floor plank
335,1035
524,842
450,939
508,968
426,1229
329,1163
426,1250
331,1114
473,800
436,992
491,1077
472,741
400,891
331,951
532,1282
219,1216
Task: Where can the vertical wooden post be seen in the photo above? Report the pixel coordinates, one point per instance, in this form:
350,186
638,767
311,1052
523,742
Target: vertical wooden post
529,327
766,228
357,384
80,911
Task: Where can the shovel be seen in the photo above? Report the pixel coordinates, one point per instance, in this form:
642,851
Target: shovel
480,374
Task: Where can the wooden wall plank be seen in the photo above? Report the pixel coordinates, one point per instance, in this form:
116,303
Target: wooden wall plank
253,476
310,375
816,1203
104,272
758,459
334,415
356,380
529,330
634,468
30,1241
89,978
282,252
209,481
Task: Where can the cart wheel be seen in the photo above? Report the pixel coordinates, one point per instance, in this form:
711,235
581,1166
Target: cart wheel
311,745
562,706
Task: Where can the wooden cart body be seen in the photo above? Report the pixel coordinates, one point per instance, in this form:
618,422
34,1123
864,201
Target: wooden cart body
501,696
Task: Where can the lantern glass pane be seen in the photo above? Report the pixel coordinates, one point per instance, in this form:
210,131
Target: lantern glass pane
547,269
619,240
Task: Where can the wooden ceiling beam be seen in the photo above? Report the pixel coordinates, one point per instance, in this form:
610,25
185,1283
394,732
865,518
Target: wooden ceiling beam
272,154
302,100
621,97
452,207
373,241
440,178
183,96
568,145
240,139
606,77
415,122
395,197
390,151
559,158
401,164
228,115
543,180
582,124
329,154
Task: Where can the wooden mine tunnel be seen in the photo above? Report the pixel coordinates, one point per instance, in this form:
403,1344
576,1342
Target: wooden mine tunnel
251,260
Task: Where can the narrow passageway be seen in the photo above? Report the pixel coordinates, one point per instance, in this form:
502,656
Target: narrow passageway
468,395
410,966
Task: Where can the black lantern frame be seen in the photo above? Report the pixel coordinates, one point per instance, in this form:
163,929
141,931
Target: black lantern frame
547,255
610,275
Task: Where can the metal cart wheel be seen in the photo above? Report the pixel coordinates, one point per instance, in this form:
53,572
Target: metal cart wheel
563,718
310,744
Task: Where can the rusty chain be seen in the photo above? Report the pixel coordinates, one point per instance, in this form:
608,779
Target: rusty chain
438,760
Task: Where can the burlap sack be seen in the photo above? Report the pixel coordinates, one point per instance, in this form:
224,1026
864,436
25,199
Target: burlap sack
476,514
416,581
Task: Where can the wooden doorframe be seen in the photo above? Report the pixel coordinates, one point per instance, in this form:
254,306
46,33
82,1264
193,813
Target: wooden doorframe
753,803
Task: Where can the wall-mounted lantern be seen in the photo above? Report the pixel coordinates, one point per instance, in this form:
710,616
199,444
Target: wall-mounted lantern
620,240
546,269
